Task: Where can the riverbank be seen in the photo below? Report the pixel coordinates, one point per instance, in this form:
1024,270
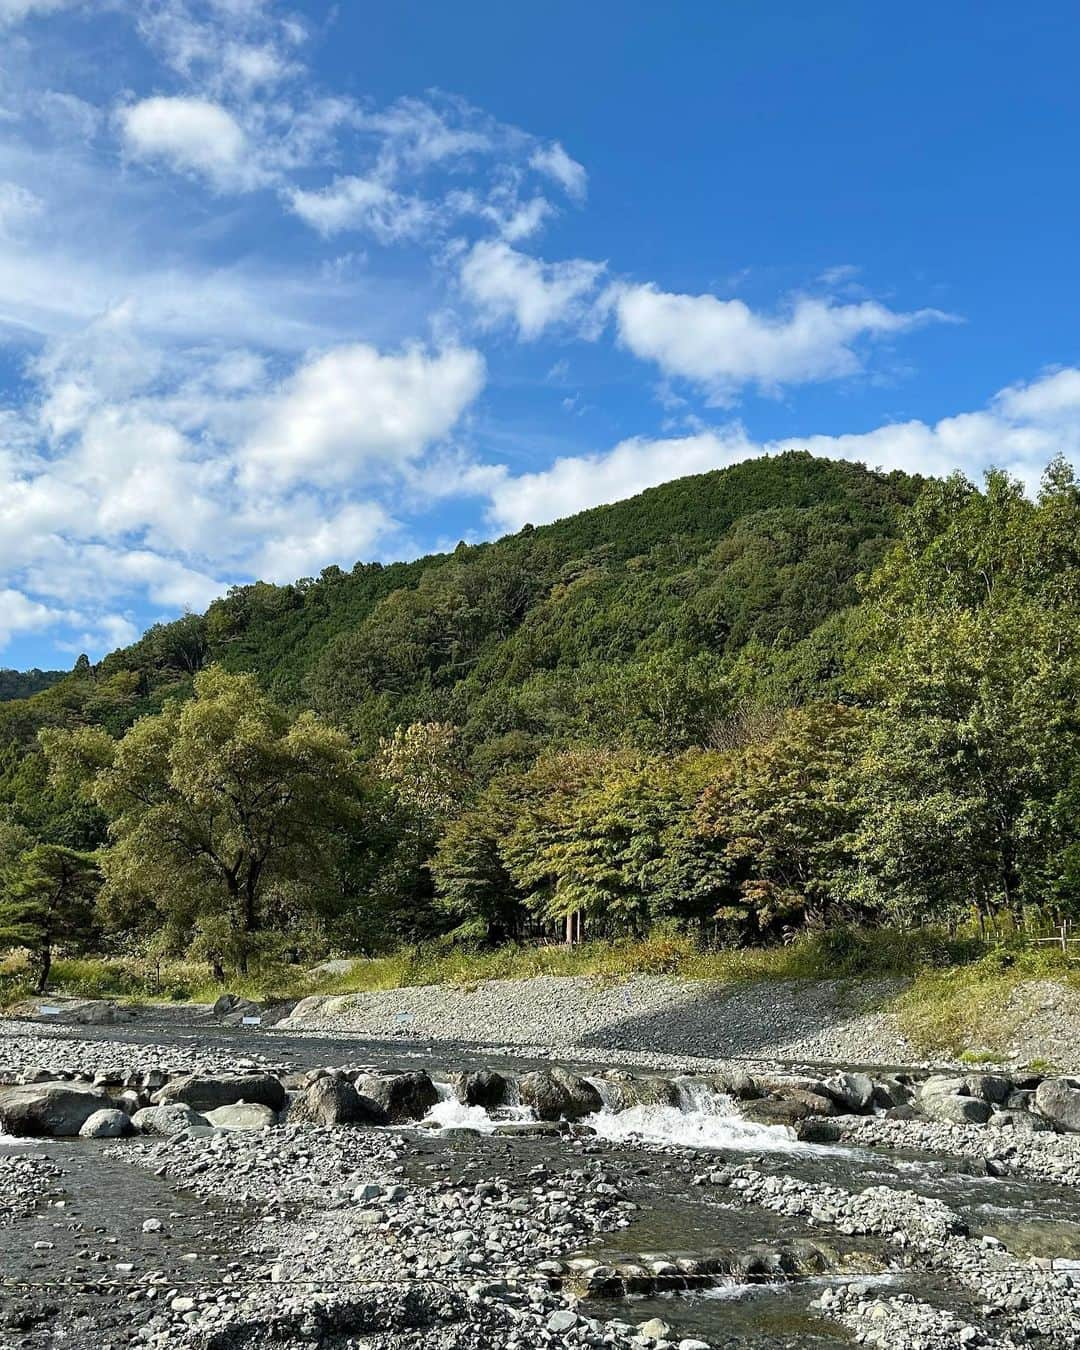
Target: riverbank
669,1021
867,1021
835,993
392,1208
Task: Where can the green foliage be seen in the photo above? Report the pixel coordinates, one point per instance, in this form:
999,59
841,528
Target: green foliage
789,696
46,900
782,807
970,655
225,815
23,683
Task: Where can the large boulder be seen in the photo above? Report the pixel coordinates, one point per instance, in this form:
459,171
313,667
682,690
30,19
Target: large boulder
989,1087
167,1120
1058,1100
206,1092
108,1123
736,1083
948,1099
556,1093
852,1092
484,1087
335,1101
403,1096
795,1105
51,1109
242,1116
1023,1122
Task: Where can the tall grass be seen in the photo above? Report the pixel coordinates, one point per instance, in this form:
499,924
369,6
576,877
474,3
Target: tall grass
836,953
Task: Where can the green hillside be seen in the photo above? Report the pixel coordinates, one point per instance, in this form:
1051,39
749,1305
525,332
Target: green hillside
24,683
761,552
789,694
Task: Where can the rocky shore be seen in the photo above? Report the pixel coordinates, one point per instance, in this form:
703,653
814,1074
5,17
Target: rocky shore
468,1208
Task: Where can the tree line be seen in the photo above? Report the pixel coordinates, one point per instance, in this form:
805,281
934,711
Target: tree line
836,713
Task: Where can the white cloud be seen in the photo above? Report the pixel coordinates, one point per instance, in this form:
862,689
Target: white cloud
20,614
67,115
1021,431
506,285
723,345
351,533
353,409
353,203
192,135
557,164
1048,398
244,48
414,134
18,206
14,11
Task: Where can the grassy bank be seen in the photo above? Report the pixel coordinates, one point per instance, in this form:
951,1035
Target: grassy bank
956,999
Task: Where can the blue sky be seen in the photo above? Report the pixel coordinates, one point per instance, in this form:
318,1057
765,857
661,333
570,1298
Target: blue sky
290,285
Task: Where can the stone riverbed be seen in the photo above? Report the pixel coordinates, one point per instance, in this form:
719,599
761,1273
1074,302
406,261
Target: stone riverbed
165,1184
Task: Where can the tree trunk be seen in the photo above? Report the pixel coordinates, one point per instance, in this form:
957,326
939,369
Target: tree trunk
44,966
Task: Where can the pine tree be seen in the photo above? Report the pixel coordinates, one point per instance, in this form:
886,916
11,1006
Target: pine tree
48,900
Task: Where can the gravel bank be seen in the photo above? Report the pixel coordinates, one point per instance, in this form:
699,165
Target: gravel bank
29,1045
834,1021
1048,1157
445,1265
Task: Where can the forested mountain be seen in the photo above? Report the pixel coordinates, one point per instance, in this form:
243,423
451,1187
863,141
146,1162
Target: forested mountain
790,692
524,634
23,683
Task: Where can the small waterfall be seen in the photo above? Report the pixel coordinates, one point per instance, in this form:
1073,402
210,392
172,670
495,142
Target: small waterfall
609,1092
685,1111
695,1094
701,1117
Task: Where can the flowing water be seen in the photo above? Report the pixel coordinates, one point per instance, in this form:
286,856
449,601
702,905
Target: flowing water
655,1146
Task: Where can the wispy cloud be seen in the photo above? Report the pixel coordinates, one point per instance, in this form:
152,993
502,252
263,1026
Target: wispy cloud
724,345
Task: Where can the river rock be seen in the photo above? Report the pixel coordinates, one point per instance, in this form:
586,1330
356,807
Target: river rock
52,1109
403,1096
206,1092
988,1087
526,1128
1058,1100
108,1123
853,1092
555,1093
736,1083
794,1106
335,1101
484,1087
242,1116
626,1090
947,1099
167,1120
1022,1121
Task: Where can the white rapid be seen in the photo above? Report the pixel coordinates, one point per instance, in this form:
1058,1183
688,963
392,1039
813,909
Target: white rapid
450,1114
701,1118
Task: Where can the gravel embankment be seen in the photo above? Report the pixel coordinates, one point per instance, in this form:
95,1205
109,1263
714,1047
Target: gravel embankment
1023,1301
25,1046
658,1017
